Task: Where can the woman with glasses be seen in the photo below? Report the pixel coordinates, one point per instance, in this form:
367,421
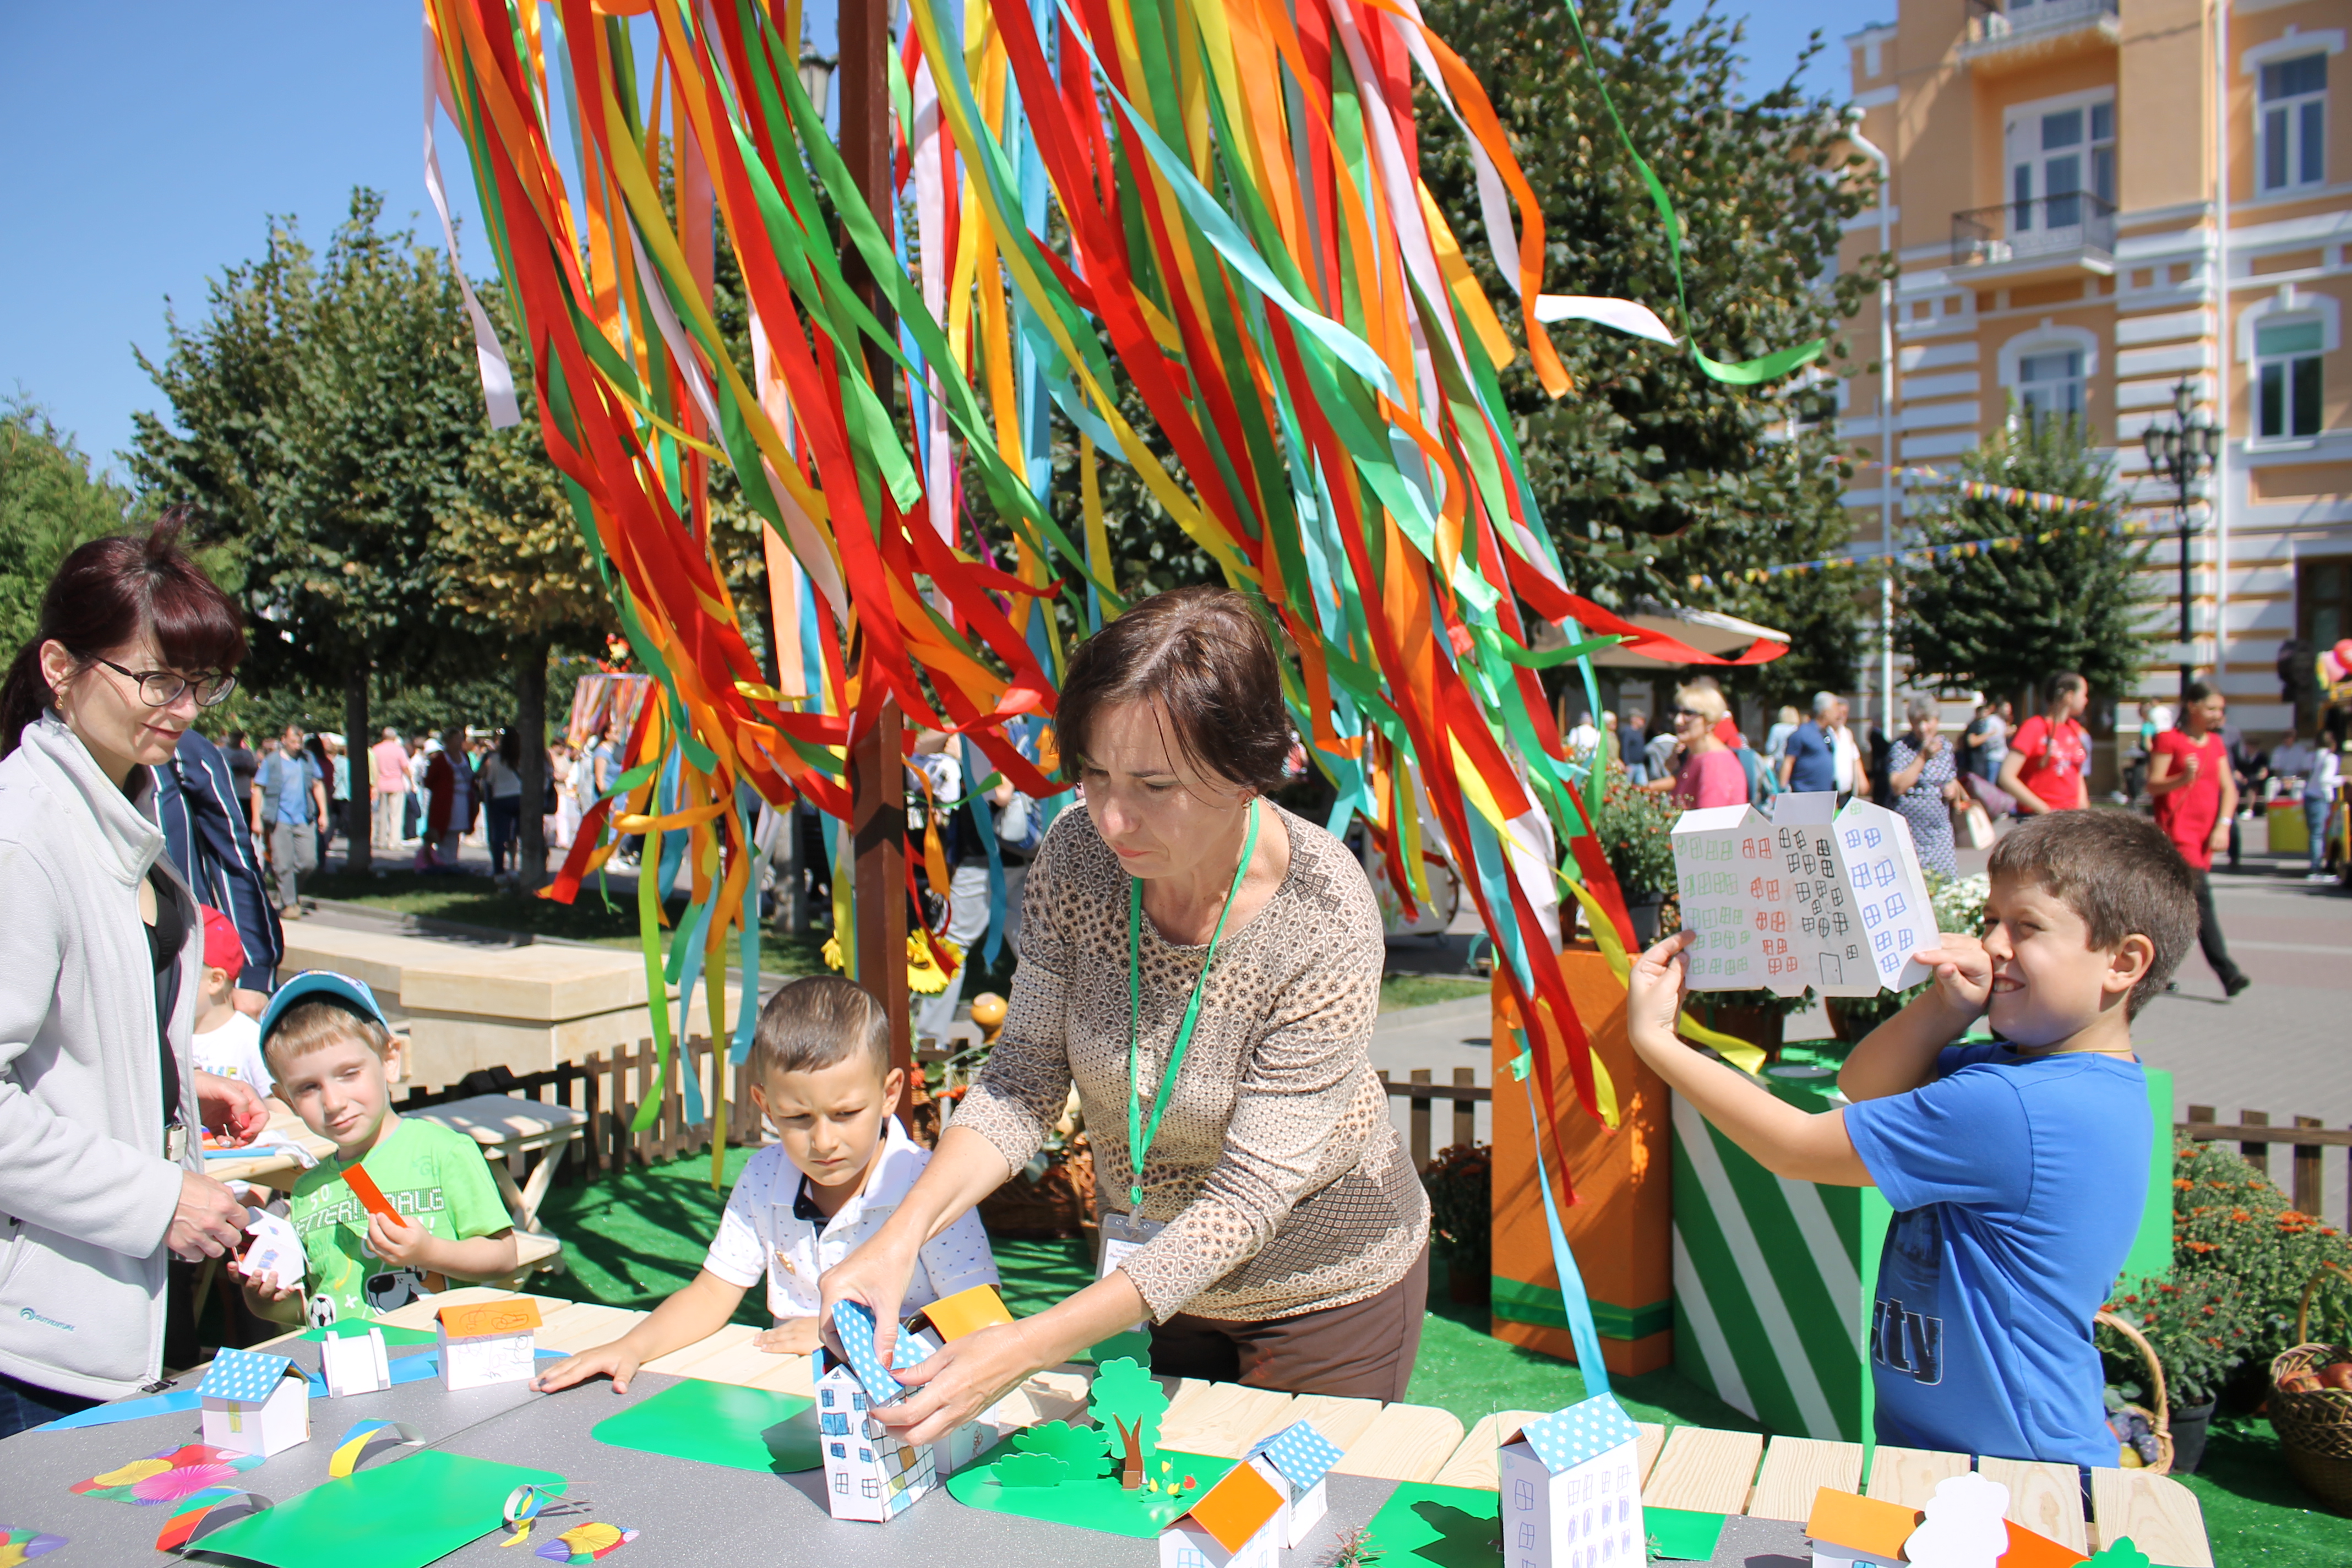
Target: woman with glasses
102,1167
1711,772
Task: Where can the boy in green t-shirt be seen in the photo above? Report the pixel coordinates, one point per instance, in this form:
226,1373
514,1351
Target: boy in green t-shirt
331,1051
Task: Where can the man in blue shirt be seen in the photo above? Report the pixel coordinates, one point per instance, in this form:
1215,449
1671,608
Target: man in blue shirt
2018,1168
290,801
196,804
1808,757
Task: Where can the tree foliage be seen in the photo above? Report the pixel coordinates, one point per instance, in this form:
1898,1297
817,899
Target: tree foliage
2056,592
49,503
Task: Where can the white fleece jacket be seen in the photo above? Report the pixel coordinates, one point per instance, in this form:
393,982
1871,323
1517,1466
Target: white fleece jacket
86,1193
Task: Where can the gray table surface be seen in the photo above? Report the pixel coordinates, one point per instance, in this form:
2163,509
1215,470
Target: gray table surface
688,1513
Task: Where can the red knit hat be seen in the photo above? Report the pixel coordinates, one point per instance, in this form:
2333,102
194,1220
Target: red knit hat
223,949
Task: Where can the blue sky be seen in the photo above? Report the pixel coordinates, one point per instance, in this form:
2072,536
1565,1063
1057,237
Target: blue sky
155,141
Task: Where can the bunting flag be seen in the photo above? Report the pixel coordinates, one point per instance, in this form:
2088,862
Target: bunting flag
1210,211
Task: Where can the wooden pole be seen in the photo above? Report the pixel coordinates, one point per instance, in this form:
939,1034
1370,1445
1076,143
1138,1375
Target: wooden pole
877,757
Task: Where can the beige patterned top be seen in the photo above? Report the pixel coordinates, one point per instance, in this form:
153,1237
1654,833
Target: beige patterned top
1277,1168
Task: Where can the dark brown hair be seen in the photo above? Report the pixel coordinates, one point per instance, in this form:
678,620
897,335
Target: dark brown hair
2120,873
1203,656
108,590
815,1022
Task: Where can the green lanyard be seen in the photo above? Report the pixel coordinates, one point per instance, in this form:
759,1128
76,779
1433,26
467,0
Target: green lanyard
1140,1136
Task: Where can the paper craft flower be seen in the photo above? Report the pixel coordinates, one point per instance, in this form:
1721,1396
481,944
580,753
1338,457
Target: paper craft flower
136,1470
171,1476
182,1481
587,1544
20,1545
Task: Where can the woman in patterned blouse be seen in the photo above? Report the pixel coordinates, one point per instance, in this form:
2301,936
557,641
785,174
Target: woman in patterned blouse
1275,1233
1926,785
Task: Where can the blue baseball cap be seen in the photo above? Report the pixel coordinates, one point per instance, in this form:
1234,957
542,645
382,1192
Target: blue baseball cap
322,984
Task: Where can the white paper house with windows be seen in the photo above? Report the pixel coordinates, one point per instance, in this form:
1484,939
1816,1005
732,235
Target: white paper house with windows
254,1404
1572,1494
1294,1462
1237,1524
870,1473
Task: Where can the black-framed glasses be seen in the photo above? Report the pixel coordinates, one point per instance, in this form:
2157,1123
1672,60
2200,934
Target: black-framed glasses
162,688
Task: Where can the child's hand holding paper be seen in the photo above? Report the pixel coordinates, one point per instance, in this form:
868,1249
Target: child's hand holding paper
1654,988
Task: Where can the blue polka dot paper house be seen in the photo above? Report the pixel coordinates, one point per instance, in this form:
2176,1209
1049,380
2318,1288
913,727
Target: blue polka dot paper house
255,1403
871,1474
1571,1489
1294,1461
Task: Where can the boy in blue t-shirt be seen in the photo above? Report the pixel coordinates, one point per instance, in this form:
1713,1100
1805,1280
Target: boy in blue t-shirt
2016,1167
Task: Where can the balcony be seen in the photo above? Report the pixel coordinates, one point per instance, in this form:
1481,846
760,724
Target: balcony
2071,233
2009,35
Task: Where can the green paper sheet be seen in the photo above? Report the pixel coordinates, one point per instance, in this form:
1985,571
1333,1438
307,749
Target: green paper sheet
1439,1527
401,1515
1098,1504
1682,1533
719,1424
357,1328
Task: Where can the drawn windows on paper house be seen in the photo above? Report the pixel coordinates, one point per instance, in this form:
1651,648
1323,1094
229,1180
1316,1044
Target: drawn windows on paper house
1189,1557
841,1481
1523,1495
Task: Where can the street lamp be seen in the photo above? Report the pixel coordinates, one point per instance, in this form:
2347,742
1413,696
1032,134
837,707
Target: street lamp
816,80
2182,451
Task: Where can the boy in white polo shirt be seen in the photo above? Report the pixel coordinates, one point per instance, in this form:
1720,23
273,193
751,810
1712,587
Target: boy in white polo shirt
820,1071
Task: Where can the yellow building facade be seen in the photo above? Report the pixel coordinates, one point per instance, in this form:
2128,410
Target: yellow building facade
2057,202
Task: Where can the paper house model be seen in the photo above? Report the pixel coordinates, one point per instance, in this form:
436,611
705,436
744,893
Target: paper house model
254,1404
870,1472
1571,1489
1294,1461
484,1342
354,1363
1847,1531
1237,1524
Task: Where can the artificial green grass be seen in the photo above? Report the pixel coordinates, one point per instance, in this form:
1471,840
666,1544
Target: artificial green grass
1422,990
633,1237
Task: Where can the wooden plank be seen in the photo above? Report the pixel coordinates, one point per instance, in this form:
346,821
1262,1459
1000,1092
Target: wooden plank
2045,1497
2159,1513
1341,1421
1057,1394
1705,1470
790,1375
739,1360
1908,1476
1473,1463
1653,1438
1404,1443
1795,1468
418,1314
583,1325
1220,1419
687,1361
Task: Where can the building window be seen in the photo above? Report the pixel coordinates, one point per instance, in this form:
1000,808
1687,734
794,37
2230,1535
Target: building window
1523,1495
2293,128
2286,369
870,1487
1191,1557
2075,154
839,1452
2049,384
841,1481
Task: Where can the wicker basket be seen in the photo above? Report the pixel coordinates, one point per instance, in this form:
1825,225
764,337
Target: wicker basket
2314,1427
2159,1421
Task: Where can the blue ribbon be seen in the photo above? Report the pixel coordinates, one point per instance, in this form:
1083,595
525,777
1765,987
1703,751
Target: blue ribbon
1577,1305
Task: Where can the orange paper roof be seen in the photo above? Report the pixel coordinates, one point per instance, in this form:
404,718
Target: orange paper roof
1860,1523
476,1319
2027,1550
966,1310
1233,1510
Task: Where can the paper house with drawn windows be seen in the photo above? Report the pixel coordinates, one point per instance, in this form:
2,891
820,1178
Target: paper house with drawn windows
1813,896
255,1403
1237,1524
870,1472
1850,1531
1294,1461
1570,1488
486,1343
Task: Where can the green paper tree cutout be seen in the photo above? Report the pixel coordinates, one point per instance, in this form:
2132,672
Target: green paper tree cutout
1081,1450
2119,1554
1128,1401
1031,1470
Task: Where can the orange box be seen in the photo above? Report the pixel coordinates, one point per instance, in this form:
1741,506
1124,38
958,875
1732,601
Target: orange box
1621,1227
476,1319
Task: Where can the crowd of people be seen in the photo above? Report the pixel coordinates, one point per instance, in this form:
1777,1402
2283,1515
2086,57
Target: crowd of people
2195,772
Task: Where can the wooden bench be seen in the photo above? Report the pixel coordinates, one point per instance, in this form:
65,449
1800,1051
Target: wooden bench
508,1128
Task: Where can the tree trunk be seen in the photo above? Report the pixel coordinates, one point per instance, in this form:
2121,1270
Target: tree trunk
359,773
530,722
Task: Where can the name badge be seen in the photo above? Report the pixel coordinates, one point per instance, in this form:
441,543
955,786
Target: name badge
1123,1235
